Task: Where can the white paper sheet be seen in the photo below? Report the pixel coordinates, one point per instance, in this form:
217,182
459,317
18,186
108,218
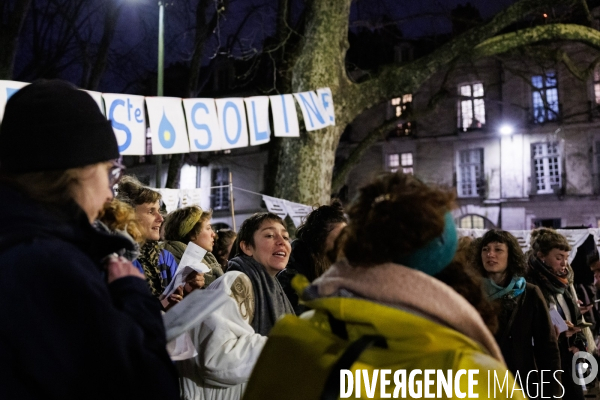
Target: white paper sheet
190,311
557,320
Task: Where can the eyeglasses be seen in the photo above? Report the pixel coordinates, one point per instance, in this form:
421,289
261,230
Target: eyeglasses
115,172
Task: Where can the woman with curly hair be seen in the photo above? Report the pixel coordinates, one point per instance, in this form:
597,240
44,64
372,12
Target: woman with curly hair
526,335
400,236
548,268
314,239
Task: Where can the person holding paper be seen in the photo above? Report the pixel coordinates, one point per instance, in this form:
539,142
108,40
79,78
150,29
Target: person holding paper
158,265
78,322
526,335
192,224
549,269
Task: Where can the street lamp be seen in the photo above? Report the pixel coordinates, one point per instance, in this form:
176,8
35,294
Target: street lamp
506,130
160,81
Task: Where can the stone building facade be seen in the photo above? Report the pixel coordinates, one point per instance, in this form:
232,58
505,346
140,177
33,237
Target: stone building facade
518,139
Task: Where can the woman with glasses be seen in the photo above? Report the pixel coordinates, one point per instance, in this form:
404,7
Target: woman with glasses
81,322
158,265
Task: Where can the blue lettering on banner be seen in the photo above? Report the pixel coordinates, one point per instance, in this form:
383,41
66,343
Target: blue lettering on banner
287,129
257,134
326,103
166,132
118,125
138,115
229,105
312,110
198,126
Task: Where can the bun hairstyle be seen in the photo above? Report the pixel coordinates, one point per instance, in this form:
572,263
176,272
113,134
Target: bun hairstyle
546,239
393,217
133,192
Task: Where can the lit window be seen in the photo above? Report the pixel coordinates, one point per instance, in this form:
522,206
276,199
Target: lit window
219,192
546,167
406,160
545,97
400,104
470,173
472,222
393,162
472,107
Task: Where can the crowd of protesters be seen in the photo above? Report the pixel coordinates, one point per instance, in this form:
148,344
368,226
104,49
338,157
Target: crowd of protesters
385,283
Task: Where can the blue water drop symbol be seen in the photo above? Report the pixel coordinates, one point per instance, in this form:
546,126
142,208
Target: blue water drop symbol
166,132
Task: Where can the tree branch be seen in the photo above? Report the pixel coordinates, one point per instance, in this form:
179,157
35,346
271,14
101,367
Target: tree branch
407,78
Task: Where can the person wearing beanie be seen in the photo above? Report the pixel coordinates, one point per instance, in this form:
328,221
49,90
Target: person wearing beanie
382,291
158,265
78,321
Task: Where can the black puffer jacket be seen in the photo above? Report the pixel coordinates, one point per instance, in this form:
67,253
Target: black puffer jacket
66,333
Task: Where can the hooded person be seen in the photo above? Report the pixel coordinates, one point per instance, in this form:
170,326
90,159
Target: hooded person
380,306
192,224
78,322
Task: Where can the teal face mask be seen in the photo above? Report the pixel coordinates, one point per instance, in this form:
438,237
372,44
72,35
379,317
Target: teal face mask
435,255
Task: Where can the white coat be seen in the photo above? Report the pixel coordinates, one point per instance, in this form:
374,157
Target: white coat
227,349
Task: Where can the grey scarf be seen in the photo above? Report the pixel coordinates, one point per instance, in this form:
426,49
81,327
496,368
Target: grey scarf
270,302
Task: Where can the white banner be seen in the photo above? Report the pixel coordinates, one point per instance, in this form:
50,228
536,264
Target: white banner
170,197
126,113
167,124
275,205
258,119
297,211
97,96
315,117
7,89
326,99
202,124
232,122
191,197
285,119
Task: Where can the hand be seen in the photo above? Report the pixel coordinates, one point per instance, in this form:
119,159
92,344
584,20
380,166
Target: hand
573,349
583,309
173,298
120,267
194,280
572,329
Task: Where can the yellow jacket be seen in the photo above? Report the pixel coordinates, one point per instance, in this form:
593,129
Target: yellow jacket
300,353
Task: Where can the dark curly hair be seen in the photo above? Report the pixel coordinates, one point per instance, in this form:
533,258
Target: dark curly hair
546,239
314,231
517,264
225,237
392,217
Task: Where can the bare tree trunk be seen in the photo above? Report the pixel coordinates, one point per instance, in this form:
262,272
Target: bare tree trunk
9,34
113,12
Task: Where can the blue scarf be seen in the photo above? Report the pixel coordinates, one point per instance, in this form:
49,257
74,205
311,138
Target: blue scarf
511,291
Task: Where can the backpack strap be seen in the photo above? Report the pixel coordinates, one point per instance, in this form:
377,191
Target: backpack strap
331,390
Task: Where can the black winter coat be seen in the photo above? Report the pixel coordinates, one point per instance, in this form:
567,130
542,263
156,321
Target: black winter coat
530,320
64,332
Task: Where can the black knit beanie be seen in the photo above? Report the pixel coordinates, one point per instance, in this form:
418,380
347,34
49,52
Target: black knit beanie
50,125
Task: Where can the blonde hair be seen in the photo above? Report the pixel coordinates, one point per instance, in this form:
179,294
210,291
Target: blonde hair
120,216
